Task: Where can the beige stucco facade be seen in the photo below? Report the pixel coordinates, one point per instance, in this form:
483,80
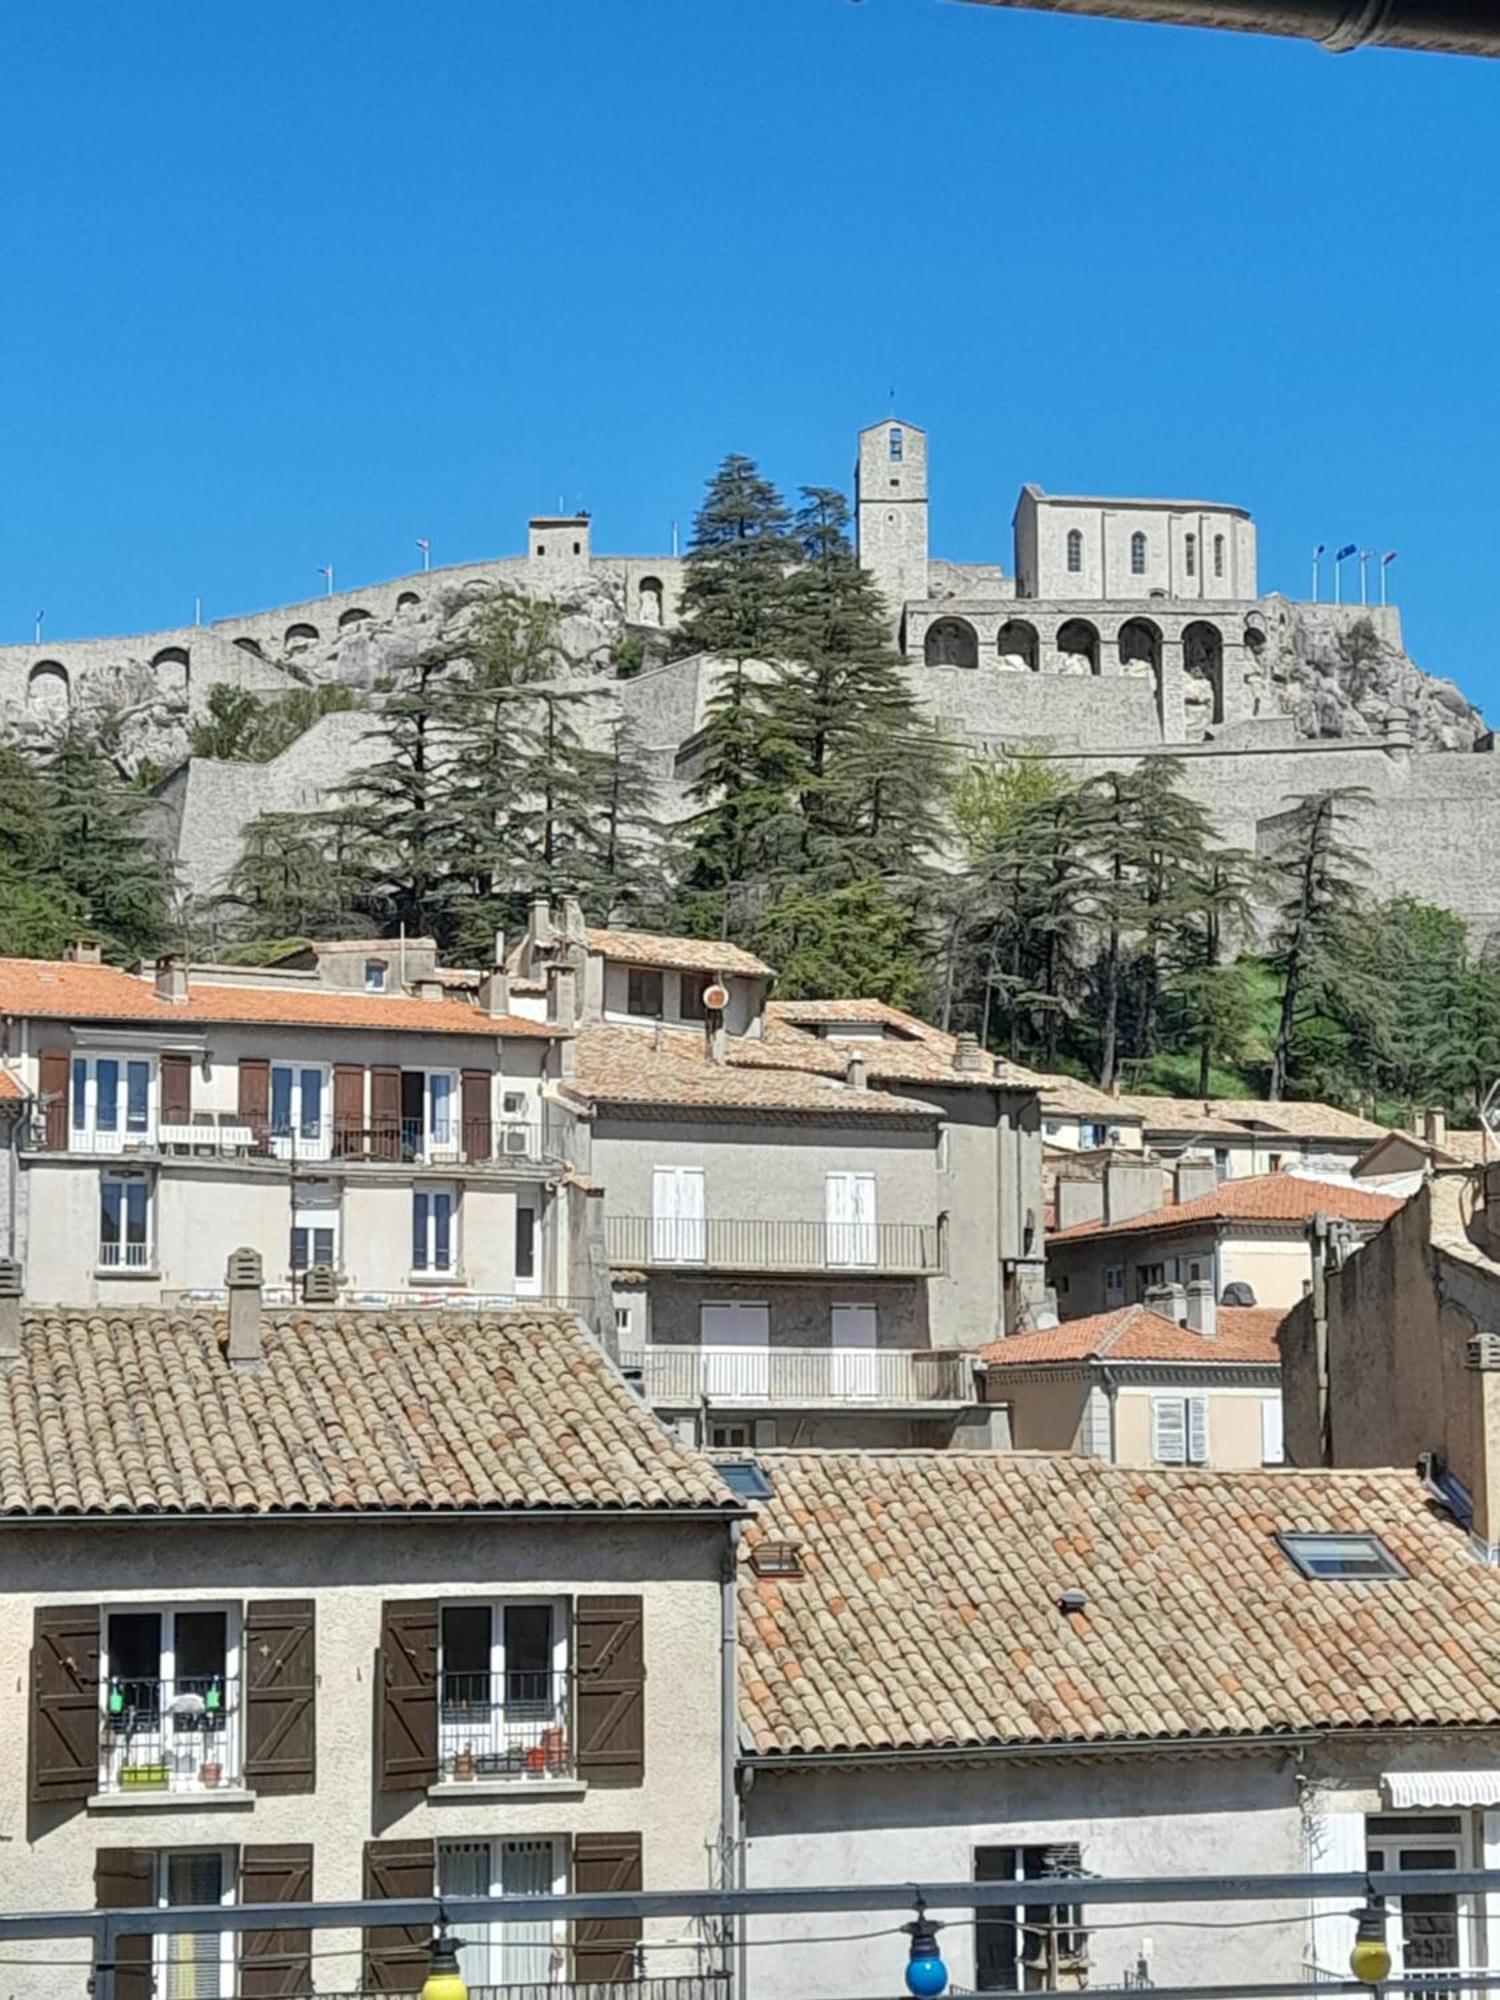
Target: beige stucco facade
1093,1273
1109,1411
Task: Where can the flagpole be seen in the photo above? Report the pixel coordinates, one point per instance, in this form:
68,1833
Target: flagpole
1317,553
1364,569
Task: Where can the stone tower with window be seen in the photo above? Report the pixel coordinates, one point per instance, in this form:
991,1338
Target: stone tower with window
890,485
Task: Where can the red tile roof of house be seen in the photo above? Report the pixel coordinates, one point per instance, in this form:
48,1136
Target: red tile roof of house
10,1087
1258,1198
1136,1333
685,953
624,1066
50,989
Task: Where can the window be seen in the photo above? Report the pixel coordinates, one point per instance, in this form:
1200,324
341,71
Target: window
1050,1128
503,1709
691,987
678,1226
298,1095
531,1954
375,974
643,993
434,1235
112,1102
526,1267
746,1479
198,1965
1190,554
1273,1163
850,1219
854,1335
124,1222
1179,1430
1221,1163
1075,552
731,1437
1093,1135
1039,1945
315,1229
1271,1450
1138,554
1218,555
1341,1558
735,1338
1427,1934
1147,1276
169,1691
441,1104
1114,1284
897,442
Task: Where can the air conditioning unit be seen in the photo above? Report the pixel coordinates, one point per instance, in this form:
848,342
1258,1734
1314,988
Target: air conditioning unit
516,1140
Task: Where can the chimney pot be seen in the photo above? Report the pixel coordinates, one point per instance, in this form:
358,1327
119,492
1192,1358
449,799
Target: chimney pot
10,1310
1202,1308
1436,1124
966,1052
494,992
857,1072
243,1278
541,921
320,1287
172,978
1168,1300
83,951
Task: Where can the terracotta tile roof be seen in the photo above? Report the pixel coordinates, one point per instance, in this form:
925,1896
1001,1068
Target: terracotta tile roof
12,1090
1239,1116
1136,1333
1073,1098
1473,1149
624,1066
927,1612
681,953
140,1412
1257,1198
915,1052
52,990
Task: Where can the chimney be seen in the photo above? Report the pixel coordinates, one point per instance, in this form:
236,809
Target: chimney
172,978
1168,1300
1435,1126
10,1311
243,1278
561,1004
431,989
1491,1216
1131,1188
320,1286
857,1073
494,990
572,919
1481,1474
966,1053
539,930
83,951
1195,1175
1079,1201
1202,1310
713,1030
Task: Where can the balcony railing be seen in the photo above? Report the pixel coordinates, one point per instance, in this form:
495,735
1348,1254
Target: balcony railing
669,1986
801,1375
409,1142
179,1735
117,1256
513,1725
742,1243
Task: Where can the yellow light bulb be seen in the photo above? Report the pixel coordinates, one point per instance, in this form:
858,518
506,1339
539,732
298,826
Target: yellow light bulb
444,1986
1370,1960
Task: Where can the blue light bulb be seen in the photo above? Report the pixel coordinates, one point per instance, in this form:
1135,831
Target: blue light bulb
926,1977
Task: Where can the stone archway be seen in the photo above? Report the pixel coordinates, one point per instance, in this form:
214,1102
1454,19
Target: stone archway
1140,650
648,608
48,694
1203,676
1016,646
171,668
1077,647
951,642
300,637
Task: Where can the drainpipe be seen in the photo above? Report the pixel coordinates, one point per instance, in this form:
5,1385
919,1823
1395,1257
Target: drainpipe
1111,1390
729,1734
1317,1236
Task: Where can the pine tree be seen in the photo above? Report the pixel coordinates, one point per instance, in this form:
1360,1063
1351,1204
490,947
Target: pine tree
1212,997
104,863
288,881
1319,878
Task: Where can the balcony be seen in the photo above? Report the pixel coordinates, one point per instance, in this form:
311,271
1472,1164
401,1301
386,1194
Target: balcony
226,1135
178,1735
769,1376
741,1243
669,1986
512,1726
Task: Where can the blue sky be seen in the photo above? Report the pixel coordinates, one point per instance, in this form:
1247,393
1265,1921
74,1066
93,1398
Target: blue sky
297,283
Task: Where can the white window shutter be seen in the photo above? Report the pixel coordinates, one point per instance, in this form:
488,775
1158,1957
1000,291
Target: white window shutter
863,1207
1333,1844
1197,1411
838,1202
691,1209
1168,1430
1094,1431
1271,1452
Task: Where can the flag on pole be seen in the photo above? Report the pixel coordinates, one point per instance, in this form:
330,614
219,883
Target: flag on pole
1386,559
425,547
1320,550
1346,551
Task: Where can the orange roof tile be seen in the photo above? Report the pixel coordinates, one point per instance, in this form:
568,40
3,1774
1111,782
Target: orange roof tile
1243,1116
624,1066
49,989
11,1090
682,953
1246,1334
1258,1198
927,1612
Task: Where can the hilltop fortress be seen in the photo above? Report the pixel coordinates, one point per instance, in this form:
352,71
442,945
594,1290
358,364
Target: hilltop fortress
1124,628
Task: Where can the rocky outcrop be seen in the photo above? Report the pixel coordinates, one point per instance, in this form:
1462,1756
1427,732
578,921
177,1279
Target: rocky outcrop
1348,680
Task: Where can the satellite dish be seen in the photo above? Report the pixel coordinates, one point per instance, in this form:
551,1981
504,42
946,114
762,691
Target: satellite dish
716,996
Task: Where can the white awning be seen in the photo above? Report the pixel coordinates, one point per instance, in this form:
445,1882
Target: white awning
1478,1787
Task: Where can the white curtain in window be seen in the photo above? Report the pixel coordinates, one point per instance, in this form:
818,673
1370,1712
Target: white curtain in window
464,1870
526,1869
850,1219
195,1964
677,1215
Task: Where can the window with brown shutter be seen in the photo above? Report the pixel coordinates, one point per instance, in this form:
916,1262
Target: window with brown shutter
396,1955
385,1113
280,1678
53,1070
125,1879
64,1743
604,1947
255,1098
348,1110
477,1104
176,1090
609,1659
406,1696
275,1964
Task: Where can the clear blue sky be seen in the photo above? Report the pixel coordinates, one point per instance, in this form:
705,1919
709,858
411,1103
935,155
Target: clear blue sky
292,283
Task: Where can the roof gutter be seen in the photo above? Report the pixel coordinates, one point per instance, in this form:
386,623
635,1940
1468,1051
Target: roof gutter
344,1517
1440,27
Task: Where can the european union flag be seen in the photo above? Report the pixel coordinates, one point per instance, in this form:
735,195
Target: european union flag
1345,552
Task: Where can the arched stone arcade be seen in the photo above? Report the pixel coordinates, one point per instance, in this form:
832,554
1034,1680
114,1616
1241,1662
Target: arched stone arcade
1203,676
1077,646
951,642
1017,646
48,691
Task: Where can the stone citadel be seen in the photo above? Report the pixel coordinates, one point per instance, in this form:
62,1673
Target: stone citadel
1124,628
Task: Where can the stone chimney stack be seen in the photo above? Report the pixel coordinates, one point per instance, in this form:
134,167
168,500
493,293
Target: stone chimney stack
857,1073
1435,1126
172,978
1131,1188
1202,1308
572,920
967,1054
1195,1176
1079,1201
561,996
243,1277
494,989
83,951
539,929
1170,1301
10,1311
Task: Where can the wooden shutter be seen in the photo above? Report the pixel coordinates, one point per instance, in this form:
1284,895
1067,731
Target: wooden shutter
396,1954
54,1067
125,1879
348,1109
406,1695
64,1744
605,1864
275,1964
610,1662
176,1090
478,1140
255,1097
385,1113
280,1678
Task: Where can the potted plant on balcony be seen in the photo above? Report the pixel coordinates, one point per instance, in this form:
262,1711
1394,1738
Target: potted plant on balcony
463,1764
210,1773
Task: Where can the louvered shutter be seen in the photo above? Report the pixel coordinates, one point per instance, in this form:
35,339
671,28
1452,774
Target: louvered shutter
1272,1450
280,1679
64,1741
255,1097
407,1695
176,1090
604,1947
125,1879
53,1071
385,1113
664,1215
396,1954
478,1136
1333,1843
348,1109
1197,1426
1168,1430
610,1663
275,1964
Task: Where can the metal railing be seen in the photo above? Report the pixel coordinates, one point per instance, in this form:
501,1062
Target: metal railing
115,1255
228,1135
802,1375
746,1243
177,1735
511,1725
663,1986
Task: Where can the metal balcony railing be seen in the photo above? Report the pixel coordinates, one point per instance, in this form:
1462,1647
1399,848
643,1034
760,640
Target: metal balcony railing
743,1243
509,1725
801,1375
669,1986
127,1256
409,1142
179,1735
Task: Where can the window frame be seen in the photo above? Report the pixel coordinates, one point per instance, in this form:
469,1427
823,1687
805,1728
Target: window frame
1218,556
85,1133
558,1703
161,1967
1030,1974
643,976
126,1178
167,1611
1190,554
1425,1840
528,1284
896,444
295,1141
309,1221
1074,552
1185,1403
1291,1542
1138,552
377,975
490,1940
431,1192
